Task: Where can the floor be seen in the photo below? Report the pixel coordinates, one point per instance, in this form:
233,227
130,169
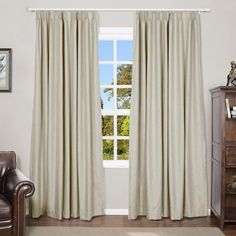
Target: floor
122,221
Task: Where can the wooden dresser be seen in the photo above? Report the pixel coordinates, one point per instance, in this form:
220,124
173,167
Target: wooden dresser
223,197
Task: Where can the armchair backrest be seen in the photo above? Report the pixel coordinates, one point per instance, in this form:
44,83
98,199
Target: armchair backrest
7,163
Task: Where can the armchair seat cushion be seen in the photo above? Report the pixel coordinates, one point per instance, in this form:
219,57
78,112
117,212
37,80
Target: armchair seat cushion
5,209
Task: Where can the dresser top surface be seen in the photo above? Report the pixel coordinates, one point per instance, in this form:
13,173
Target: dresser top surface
223,88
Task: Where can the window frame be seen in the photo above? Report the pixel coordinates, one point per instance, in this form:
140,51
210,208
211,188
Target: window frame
114,34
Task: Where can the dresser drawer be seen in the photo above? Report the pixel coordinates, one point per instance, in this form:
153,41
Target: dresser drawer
230,156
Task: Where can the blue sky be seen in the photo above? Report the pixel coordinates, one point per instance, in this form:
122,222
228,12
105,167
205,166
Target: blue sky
106,53
124,50
106,73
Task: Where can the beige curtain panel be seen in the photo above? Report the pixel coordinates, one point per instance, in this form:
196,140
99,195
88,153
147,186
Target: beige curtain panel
167,140
66,151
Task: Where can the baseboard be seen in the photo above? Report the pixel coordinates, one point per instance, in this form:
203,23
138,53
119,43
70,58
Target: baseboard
209,212
116,212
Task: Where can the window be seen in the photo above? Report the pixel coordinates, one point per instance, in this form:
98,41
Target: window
115,66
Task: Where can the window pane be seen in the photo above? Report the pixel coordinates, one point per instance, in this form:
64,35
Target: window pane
122,149
108,149
123,98
123,125
106,74
107,126
105,50
124,74
107,100
124,50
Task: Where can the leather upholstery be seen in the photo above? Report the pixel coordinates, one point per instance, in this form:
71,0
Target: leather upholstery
5,208
14,189
7,162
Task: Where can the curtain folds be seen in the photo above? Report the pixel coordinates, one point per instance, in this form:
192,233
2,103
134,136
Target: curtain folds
66,148
167,139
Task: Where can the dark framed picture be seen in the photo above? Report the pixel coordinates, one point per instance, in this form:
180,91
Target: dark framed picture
5,69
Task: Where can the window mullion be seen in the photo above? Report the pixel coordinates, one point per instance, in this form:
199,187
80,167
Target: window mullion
115,98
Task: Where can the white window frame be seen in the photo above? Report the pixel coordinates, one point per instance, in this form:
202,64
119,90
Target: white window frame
115,33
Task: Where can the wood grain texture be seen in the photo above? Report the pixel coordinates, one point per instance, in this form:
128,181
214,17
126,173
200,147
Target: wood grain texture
122,221
223,199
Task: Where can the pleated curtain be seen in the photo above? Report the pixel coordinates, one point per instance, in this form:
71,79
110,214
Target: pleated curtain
167,138
66,148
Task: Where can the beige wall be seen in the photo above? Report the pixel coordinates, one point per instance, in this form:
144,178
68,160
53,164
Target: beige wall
18,32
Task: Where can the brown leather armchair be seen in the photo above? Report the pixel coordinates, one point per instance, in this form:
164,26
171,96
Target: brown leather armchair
14,189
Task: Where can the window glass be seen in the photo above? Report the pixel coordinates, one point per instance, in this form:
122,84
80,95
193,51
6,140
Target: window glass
107,126
108,149
124,50
105,50
124,74
107,99
123,98
122,149
123,123
106,74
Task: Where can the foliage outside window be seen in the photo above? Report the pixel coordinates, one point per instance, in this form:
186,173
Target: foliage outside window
115,61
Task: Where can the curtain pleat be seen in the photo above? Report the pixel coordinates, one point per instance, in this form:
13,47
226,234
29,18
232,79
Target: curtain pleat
167,139
66,149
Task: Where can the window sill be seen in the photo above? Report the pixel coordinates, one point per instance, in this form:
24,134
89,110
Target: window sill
115,164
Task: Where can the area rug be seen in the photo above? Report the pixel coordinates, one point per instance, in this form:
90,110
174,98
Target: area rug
110,231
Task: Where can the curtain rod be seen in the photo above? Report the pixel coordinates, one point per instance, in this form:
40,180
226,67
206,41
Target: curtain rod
117,9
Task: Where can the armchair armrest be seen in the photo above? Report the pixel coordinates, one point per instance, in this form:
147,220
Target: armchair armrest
17,188
15,182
